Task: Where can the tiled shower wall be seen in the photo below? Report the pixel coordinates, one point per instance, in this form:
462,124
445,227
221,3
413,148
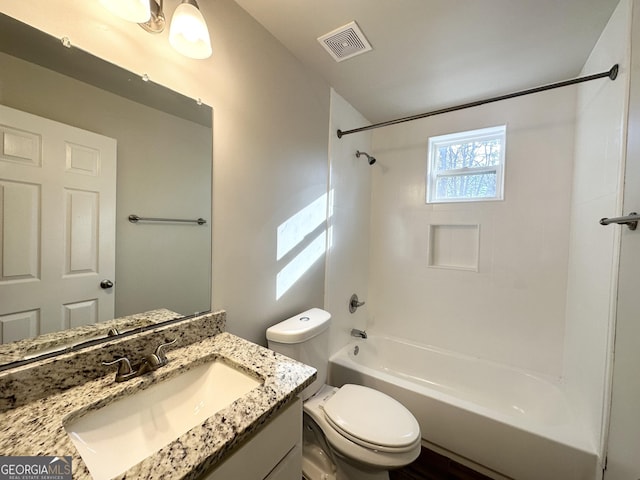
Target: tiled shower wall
594,249
508,302
347,265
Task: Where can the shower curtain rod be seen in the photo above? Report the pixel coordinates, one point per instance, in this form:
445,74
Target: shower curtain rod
612,74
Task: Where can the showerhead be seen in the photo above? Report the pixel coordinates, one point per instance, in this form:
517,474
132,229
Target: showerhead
370,159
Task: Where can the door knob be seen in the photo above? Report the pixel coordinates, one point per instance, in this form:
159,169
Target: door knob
106,284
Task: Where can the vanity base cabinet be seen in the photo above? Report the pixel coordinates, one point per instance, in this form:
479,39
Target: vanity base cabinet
273,453
290,467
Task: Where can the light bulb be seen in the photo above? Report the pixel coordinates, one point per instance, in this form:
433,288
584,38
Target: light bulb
188,32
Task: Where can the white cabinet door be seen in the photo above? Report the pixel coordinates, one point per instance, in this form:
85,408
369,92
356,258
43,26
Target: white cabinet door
273,453
57,225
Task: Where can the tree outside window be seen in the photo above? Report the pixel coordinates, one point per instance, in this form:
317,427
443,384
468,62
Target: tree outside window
466,166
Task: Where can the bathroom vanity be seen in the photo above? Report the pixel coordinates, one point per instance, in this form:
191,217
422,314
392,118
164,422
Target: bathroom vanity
253,434
273,453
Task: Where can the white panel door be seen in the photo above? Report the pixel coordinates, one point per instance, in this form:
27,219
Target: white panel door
57,225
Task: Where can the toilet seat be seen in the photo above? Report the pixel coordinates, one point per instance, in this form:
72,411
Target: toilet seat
371,419
355,448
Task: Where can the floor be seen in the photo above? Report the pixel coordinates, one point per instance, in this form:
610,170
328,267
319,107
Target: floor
433,466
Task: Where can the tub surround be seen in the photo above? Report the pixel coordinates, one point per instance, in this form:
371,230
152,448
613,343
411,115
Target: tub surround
15,351
32,420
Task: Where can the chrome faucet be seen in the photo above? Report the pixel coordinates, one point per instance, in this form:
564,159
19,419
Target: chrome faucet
112,332
358,333
149,363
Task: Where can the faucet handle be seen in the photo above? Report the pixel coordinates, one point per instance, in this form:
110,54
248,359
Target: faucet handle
160,351
112,332
354,303
123,369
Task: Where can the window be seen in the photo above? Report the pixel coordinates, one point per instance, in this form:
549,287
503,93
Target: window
466,166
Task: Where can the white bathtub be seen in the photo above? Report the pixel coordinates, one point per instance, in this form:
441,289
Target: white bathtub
504,419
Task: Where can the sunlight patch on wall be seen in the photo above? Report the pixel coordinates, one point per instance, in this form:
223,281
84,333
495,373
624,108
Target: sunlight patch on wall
293,231
292,235
292,272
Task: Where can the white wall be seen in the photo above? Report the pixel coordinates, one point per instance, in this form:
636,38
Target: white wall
270,139
512,309
347,269
594,249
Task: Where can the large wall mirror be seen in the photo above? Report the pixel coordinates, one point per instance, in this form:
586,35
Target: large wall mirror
84,145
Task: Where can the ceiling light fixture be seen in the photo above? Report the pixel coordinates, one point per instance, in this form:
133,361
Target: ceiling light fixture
188,32
137,11
155,22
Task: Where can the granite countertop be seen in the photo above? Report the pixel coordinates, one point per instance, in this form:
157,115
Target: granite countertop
29,347
36,428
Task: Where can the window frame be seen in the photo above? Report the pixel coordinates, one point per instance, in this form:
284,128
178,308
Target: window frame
468,136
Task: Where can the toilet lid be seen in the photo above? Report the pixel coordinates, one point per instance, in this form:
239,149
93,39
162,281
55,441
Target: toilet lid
371,418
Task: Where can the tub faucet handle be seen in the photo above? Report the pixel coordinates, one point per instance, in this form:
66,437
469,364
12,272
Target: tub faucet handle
354,303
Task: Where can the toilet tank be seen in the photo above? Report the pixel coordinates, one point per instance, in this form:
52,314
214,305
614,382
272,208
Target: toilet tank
304,337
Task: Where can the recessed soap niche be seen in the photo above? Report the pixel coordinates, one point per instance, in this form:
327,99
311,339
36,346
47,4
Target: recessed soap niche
454,247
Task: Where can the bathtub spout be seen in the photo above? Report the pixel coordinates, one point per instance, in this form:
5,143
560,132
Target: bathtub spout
358,333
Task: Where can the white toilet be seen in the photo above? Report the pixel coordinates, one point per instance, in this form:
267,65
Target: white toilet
352,432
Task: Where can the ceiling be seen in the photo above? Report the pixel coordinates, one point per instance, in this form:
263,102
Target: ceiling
430,54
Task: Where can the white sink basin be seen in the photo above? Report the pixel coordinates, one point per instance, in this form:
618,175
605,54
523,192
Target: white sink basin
116,437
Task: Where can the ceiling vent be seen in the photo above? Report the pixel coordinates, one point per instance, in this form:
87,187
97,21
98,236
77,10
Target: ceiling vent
345,42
